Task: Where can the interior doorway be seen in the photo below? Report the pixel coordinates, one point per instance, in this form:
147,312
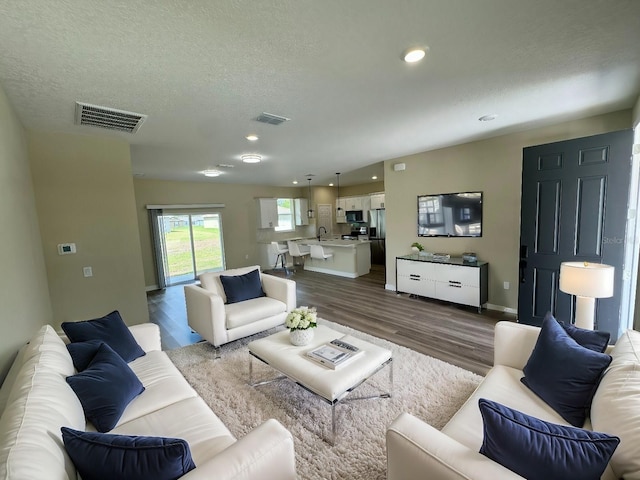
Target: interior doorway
575,198
325,218
191,244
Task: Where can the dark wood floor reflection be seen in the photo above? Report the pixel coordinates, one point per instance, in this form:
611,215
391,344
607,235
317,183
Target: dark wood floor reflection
456,334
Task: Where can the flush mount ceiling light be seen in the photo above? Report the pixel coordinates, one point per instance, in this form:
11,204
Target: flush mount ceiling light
211,173
488,118
252,138
295,182
251,158
414,54
374,177
331,184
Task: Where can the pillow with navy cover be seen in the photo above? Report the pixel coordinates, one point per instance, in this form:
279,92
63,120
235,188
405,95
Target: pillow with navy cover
111,329
83,352
563,373
592,339
239,288
105,388
535,449
102,456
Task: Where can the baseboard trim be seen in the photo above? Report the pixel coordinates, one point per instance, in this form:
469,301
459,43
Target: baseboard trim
501,308
151,288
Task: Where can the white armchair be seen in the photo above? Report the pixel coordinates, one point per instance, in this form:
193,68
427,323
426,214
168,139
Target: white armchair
219,322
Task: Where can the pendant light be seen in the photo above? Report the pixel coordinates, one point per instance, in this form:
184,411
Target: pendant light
339,212
310,210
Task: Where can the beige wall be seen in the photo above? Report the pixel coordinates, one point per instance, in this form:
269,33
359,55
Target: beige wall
84,194
24,294
362,189
493,166
242,239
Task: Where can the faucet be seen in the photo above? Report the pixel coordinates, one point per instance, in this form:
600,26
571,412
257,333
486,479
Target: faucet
319,233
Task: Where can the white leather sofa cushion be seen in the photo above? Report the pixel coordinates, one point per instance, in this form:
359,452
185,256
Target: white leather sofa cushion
250,311
39,403
615,408
211,280
163,383
502,384
189,419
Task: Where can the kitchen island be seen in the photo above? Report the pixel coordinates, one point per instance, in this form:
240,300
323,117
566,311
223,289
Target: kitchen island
351,258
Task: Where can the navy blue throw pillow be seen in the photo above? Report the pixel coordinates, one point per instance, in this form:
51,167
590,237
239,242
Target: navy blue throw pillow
105,388
102,456
595,340
83,352
242,287
111,329
539,450
563,373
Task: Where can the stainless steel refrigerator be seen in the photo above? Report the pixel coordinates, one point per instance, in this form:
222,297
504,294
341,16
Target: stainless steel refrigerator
377,234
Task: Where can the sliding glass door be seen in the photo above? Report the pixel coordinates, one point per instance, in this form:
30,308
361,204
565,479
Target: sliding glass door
191,244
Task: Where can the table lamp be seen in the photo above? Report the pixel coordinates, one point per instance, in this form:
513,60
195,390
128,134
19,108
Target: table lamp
587,281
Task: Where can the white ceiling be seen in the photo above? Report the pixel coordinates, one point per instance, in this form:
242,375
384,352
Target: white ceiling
202,70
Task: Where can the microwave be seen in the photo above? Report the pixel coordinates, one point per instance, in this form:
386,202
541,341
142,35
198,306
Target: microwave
354,216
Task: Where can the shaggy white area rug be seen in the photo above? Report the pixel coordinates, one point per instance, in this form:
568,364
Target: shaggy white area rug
426,387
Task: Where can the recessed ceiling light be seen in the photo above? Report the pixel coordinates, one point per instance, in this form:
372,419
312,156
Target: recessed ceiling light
252,138
211,173
413,55
488,118
331,184
374,177
251,158
295,182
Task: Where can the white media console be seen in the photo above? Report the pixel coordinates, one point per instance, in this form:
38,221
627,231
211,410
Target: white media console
452,280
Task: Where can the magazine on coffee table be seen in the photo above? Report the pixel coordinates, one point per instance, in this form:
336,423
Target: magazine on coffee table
334,354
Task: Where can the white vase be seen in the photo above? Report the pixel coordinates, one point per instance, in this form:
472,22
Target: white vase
300,338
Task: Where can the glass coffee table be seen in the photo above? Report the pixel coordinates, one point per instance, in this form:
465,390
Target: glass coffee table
332,386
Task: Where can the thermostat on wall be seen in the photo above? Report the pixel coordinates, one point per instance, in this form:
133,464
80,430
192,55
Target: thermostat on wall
66,248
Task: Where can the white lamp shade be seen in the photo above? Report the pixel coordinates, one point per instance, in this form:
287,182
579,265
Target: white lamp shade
593,280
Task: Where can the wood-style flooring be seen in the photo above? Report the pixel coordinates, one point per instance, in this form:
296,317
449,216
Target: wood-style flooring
456,334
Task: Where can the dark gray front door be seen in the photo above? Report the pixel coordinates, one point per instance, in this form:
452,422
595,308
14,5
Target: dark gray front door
574,208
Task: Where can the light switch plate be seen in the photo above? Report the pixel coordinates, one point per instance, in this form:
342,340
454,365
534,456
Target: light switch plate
87,271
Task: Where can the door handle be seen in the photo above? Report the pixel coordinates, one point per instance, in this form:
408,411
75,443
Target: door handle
524,254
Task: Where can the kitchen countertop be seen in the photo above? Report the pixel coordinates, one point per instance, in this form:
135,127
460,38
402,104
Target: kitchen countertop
335,243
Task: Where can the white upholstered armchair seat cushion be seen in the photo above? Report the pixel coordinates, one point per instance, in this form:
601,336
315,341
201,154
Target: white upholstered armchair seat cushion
250,311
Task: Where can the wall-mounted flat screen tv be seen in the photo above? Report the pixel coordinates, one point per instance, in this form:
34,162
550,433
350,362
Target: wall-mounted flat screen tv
450,215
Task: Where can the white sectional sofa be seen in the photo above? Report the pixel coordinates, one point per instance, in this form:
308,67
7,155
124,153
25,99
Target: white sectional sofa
37,401
417,450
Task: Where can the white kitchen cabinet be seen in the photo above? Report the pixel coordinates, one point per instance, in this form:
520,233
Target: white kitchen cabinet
451,280
267,213
366,206
377,200
353,203
301,206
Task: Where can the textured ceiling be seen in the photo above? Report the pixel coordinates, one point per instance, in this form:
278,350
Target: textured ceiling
203,70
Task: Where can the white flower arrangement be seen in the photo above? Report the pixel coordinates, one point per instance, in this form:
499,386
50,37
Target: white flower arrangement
301,318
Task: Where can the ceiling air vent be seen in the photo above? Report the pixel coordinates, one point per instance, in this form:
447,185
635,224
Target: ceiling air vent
111,118
271,119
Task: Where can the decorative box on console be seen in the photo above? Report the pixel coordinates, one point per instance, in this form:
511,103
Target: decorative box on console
469,257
